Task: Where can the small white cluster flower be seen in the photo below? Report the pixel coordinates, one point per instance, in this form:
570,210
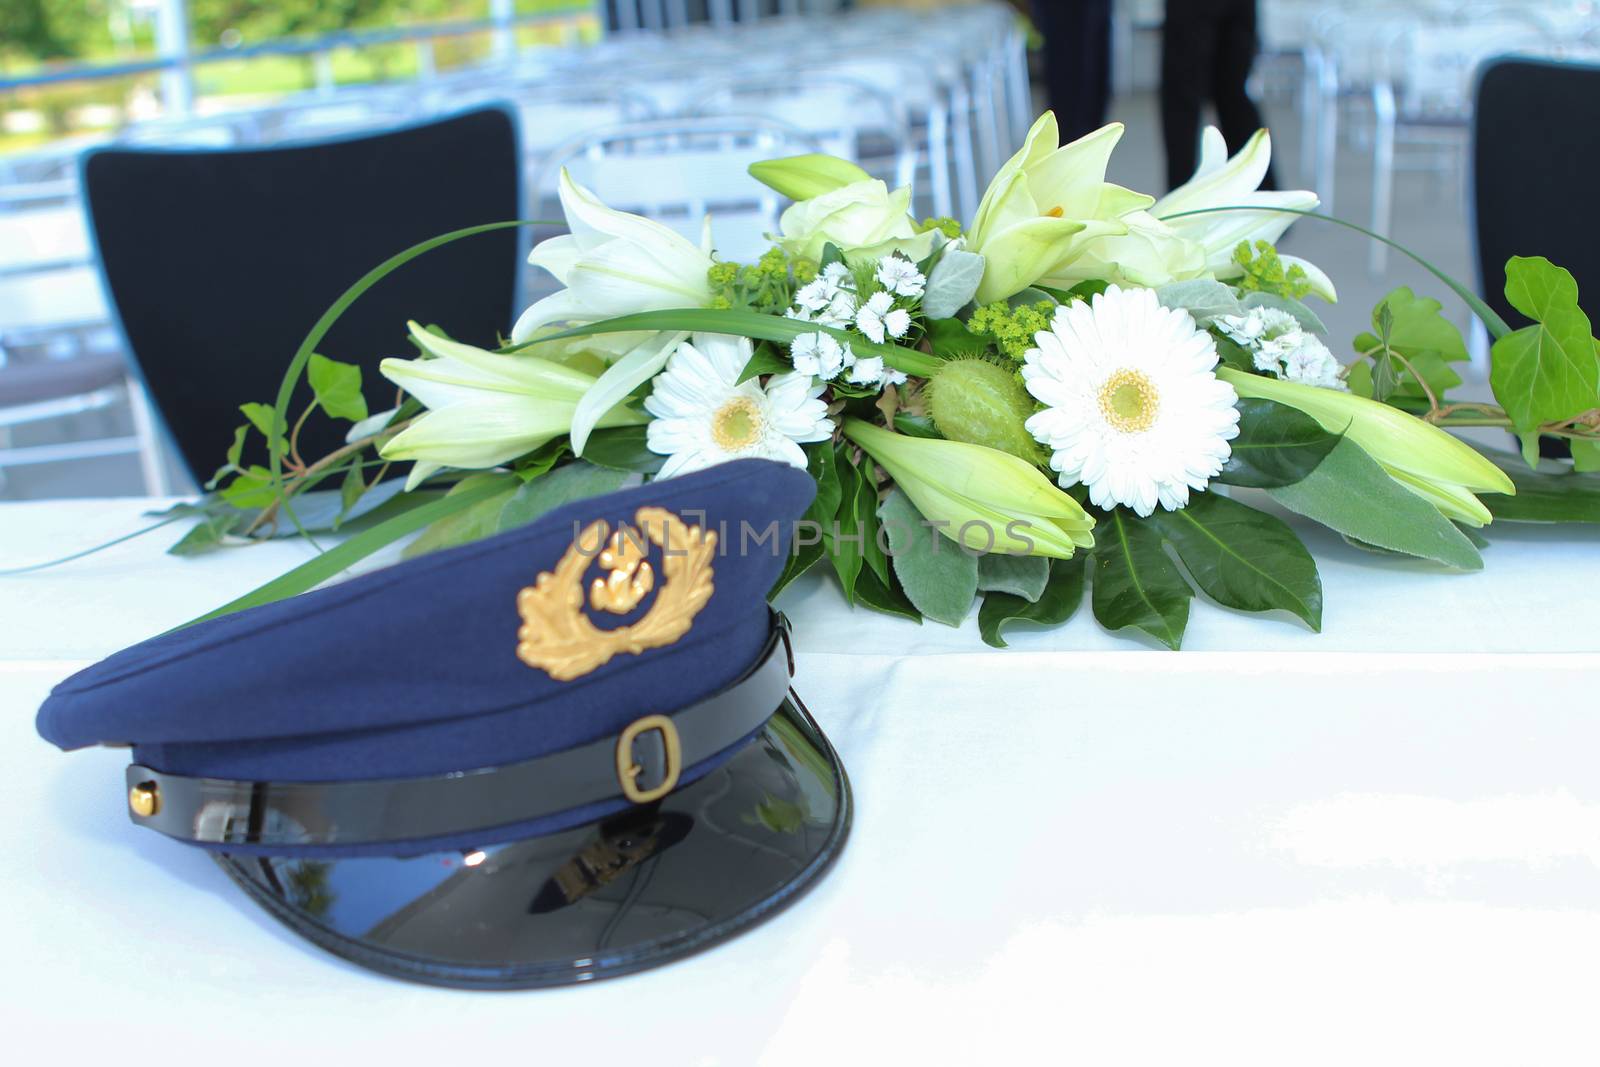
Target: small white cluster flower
833,300
900,276
1279,346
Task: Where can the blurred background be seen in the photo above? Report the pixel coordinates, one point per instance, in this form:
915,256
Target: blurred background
660,105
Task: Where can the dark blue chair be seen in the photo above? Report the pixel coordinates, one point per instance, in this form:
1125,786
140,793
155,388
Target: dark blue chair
1534,160
218,262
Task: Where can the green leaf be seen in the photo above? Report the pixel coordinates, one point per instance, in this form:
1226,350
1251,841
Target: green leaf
953,283
337,387
1585,455
822,463
1411,327
342,556
889,599
1547,371
939,578
623,448
916,425
1350,493
1305,316
1234,354
474,523
206,535
267,421
764,361
1277,445
578,480
1021,576
1243,558
1543,496
803,555
251,489
752,324
541,460
1135,583
1204,299
350,491
950,339
846,534
1059,601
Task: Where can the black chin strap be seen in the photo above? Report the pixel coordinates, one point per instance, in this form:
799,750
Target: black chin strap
641,764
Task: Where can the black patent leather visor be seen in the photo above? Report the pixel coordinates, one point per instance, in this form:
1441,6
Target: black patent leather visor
638,889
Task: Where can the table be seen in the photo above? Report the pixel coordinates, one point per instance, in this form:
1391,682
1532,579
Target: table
1380,844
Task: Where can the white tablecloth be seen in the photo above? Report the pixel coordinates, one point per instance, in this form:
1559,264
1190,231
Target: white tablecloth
1380,844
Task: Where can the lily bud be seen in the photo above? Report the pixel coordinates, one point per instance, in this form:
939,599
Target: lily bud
988,500
1430,462
484,409
807,176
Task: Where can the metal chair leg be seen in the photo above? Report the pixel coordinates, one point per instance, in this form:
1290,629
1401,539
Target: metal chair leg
151,465
1383,124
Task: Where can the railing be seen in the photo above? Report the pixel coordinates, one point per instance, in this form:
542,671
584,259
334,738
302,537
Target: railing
178,88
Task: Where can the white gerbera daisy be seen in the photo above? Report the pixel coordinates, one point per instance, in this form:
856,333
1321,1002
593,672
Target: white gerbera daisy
1133,409
702,417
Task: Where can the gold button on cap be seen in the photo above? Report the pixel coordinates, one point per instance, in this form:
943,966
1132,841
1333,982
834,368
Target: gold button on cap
144,799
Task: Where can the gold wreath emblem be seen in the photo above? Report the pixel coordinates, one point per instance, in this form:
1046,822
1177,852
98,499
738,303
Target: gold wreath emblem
558,638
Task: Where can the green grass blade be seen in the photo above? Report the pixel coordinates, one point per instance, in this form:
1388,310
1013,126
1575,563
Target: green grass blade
291,376
1496,325
314,572
752,324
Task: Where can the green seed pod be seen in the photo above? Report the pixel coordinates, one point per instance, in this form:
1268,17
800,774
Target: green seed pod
982,403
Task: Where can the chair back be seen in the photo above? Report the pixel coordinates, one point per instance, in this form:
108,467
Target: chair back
1533,168
219,261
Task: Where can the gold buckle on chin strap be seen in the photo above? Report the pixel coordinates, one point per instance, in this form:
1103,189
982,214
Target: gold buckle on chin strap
628,770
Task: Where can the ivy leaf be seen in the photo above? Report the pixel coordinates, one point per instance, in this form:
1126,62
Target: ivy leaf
1277,445
1585,455
1243,558
1411,327
1135,583
1021,576
337,387
1056,604
953,283
1352,495
265,419
939,578
1548,371
251,489
350,491
622,448
206,535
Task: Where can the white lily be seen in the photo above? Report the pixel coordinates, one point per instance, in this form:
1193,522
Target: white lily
1150,254
863,219
1223,181
1045,206
484,408
614,263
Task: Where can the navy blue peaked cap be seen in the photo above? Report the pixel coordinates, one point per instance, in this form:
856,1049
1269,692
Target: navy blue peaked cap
413,669
566,752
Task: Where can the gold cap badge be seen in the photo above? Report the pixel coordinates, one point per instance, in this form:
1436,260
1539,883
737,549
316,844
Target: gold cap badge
558,638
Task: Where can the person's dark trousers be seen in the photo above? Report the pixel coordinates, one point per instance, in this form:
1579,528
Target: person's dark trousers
1077,62
1207,49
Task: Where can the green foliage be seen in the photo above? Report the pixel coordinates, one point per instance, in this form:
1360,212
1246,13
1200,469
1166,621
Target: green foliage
577,480
1264,272
1012,328
982,403
851,536
939,578
1551,370
1277,445
1023,576
1412,338
337,387
767,286
950,339
944,224
1543,496
1135,584
1243,558
916,425
765,360
623,448
1350,493
806,551
1056,603
478,520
